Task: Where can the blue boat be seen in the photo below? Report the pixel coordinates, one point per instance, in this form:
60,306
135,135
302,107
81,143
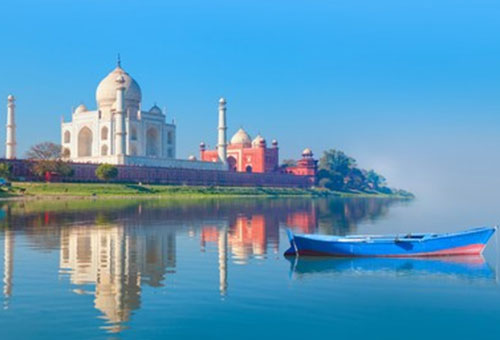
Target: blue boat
469,242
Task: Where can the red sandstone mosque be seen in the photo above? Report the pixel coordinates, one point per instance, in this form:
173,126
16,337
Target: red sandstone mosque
242,154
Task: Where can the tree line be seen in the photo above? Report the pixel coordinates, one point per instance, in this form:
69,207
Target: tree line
340,172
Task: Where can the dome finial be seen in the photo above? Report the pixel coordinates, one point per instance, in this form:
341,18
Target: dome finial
119,61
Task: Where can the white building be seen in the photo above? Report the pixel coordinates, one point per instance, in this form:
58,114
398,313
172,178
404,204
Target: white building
120,132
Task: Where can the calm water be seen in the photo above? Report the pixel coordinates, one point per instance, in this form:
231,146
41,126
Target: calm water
214,269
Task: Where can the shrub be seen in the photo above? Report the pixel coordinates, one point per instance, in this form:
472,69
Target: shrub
6,171
106,172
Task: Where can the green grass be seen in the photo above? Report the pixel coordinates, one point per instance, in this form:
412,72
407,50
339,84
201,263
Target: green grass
119,190
134,190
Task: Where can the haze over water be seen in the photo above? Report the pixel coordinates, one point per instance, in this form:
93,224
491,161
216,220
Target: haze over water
214,269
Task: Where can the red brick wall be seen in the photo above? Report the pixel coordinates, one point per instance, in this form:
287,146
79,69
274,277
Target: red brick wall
157,175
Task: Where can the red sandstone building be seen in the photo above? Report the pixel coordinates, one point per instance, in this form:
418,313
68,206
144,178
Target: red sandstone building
247,155
307,166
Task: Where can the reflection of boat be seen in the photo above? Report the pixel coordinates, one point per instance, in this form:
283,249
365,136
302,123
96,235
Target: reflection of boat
470,242
470,267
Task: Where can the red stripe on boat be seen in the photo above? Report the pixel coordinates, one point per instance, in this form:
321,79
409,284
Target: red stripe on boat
473,249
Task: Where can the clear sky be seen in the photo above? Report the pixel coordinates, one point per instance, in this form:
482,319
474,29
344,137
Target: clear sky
409,88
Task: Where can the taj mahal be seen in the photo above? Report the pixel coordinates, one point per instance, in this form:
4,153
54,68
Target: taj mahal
120,132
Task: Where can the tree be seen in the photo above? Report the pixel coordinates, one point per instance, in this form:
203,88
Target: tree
105,172
46,158
336,161
374,180
339,169
5,170
44,151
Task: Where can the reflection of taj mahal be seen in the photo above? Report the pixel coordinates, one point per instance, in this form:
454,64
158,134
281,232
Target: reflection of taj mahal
118,264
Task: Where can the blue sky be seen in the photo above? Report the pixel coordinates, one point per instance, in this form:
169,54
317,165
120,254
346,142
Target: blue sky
410,88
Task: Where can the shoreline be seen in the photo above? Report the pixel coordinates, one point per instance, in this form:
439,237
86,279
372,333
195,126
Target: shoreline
23,191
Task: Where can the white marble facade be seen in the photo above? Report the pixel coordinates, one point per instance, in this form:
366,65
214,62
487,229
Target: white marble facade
91,135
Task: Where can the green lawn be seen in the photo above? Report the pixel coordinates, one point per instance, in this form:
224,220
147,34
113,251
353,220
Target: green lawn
119,190
126,190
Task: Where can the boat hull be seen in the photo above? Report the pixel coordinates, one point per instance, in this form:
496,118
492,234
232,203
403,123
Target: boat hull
471,242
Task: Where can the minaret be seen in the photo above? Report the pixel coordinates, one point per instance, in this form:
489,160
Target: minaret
10,144
222,138
120,142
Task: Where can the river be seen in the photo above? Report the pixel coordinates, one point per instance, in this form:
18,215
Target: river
214,269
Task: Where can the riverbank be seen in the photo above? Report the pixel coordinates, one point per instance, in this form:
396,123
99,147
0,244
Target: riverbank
26,190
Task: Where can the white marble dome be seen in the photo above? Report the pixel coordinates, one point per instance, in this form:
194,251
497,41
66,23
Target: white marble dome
241,137
106,90
258,140
80,108
155,110
307,152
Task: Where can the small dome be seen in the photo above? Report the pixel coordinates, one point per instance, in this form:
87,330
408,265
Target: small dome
10,98
275,142
81,108
242,137
202,145
307,153
258,141
106,90
192,158
156,110
222,100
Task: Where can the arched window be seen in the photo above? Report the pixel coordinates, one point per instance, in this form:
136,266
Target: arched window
170,137
67,137
152,142
104,133
170,153
248,169
85,142
133,133
104,150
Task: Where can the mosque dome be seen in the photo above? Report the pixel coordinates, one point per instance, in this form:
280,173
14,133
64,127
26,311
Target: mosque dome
258,141
106,90
307,153
155,110
241,137
80,108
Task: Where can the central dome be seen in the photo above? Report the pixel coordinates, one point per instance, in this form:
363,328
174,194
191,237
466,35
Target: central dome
242,137
105,94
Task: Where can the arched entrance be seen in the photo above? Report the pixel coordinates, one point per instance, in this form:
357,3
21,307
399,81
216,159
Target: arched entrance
248,168
231,163
152,142
85,142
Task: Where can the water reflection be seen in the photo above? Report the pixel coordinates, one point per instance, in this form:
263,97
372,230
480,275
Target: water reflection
463,267
117,263
114,249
